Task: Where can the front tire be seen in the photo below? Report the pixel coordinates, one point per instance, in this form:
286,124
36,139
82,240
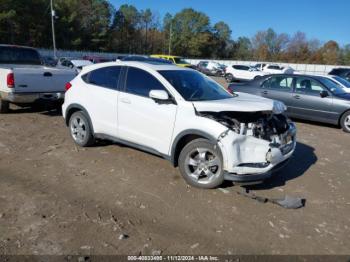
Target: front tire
345,122
80,129
4,106
201,164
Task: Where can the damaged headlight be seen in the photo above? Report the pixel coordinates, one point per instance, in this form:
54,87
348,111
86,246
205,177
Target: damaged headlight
278,107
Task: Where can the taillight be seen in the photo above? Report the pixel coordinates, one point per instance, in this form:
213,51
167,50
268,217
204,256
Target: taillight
67,86
10,80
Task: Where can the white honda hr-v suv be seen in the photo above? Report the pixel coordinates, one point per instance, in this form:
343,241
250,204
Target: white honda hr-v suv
183,116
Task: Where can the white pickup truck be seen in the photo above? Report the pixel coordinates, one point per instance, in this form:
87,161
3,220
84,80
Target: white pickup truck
24,79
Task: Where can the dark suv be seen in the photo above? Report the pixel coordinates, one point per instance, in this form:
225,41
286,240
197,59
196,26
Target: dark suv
342,72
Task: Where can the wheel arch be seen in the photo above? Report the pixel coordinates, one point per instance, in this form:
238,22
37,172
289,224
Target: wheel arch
75,108
341,116
183,138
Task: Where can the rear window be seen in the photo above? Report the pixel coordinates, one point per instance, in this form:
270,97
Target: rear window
240,67
104,77
274,67
17,55
339,71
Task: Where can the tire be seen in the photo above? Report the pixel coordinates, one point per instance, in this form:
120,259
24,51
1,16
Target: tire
345,122
4,106
257,77
201,164
229,78
80,129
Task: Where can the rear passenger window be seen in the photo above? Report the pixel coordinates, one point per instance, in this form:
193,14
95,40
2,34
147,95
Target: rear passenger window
105,77
140,82
279,83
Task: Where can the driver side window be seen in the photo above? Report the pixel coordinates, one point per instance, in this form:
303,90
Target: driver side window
140,82
308,86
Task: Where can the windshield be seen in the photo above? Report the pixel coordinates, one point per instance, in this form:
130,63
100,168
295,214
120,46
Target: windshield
179,60
194,86
332,86
18,55
343,81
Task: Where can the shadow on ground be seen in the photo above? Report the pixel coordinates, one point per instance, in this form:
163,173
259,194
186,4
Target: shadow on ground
45,108
303,158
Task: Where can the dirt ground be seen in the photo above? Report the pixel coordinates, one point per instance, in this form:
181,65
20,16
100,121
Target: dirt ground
56,198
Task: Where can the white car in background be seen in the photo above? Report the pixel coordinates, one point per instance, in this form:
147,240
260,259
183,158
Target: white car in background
242,72
183,116
76,64
276,69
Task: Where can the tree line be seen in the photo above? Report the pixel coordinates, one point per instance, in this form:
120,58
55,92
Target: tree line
96,25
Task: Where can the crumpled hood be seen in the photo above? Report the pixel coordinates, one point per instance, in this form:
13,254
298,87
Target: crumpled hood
241,103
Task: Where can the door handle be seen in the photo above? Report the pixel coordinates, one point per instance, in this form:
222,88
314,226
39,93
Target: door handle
126,100
264,92
47,74
297,96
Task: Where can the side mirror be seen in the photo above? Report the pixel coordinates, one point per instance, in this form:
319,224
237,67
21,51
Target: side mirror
324,93
161,97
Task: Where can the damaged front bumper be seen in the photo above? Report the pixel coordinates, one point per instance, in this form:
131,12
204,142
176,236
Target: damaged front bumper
249,159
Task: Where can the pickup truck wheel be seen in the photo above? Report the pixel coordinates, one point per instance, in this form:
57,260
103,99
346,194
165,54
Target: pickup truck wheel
80,129
201,164
4,106
229,78
345,122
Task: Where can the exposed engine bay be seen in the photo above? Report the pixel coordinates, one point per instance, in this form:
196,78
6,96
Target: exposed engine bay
262,125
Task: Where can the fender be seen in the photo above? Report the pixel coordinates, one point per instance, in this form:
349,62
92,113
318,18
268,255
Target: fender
185,133
80,108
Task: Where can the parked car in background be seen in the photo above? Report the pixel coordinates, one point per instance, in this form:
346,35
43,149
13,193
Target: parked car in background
73,63
183,116
24,79
315,98
276,69
49,61
210,68
242,72
146,59
342,72
177,60
259,67
97,59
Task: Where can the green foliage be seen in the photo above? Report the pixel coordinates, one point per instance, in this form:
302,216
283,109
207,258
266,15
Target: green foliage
98,26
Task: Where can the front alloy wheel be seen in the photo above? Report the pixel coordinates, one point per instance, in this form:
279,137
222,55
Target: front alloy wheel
345,122
200,163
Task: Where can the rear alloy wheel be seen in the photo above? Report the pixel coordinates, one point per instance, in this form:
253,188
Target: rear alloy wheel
229,78
4,106
200,164
80,129
345,122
